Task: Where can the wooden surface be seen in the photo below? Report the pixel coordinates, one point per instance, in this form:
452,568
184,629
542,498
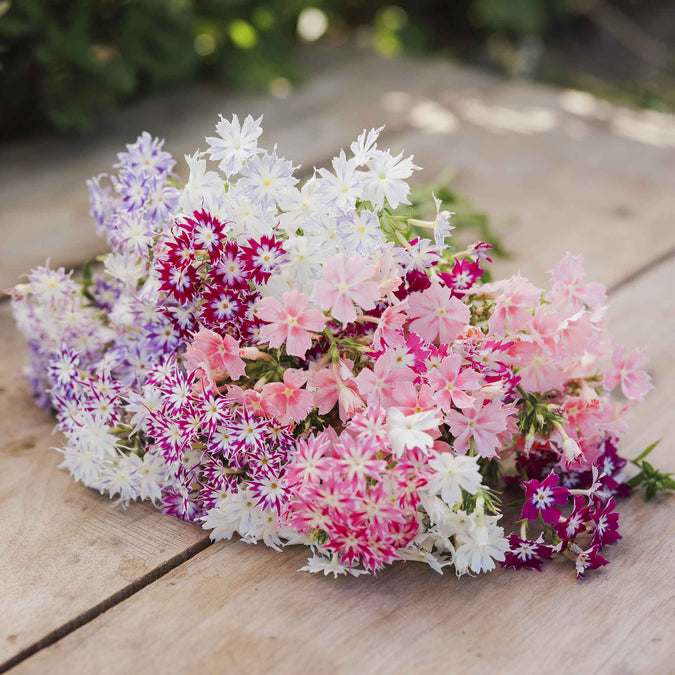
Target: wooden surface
90,588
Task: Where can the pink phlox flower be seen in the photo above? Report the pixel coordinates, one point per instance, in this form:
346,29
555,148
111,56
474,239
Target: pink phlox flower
543,498
436,314
248,398
371,424
377,510
480,425
537,368
516,299
348,539
412,353
214,357
412,399
435,357
380,383
452,384
287,400
568,287
289,322
346,283
304,514
331,494
575,336
627,370
479,251
309,462
389,331
357,461
336,384
463,276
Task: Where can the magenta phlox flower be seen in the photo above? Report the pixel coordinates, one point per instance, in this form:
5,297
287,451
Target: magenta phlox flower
542,498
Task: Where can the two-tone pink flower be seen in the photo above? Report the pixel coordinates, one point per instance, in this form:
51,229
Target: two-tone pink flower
289,322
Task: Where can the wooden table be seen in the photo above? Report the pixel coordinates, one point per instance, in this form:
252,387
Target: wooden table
88,588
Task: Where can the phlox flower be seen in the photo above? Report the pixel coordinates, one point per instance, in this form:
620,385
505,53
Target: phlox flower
288,322
537,369
267,180
342,188
214,356
380,383
451,474
442,227
568,288
146,154
357,460
336,384
627,371
412,353
452,384
436,314
235,143
203,185
589,559
479,545
309,460
409,431
464,274
362,148
480,425
514,304
318,563
525,554
386,179
389,331
411,399
360,231
543,498
344,284
606,521
286,399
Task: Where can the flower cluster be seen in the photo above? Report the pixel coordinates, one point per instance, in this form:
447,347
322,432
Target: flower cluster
311,364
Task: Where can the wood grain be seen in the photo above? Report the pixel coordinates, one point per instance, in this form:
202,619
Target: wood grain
244,609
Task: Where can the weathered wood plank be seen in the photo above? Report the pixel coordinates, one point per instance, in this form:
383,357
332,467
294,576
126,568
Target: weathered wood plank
516,147
237,608
64,549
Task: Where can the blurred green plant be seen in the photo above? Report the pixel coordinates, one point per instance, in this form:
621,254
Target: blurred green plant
64,62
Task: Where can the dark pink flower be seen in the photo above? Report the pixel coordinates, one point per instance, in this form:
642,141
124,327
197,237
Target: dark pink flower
525,554
542,498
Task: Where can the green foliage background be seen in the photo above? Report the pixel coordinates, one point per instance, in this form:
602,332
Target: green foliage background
66,61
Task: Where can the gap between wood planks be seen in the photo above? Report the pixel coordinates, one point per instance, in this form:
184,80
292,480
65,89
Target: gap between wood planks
190,552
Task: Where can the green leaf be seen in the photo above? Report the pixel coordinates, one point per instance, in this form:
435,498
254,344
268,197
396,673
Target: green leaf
645,453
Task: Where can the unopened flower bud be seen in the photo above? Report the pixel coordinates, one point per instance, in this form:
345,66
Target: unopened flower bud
253,353
529,442
571,449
